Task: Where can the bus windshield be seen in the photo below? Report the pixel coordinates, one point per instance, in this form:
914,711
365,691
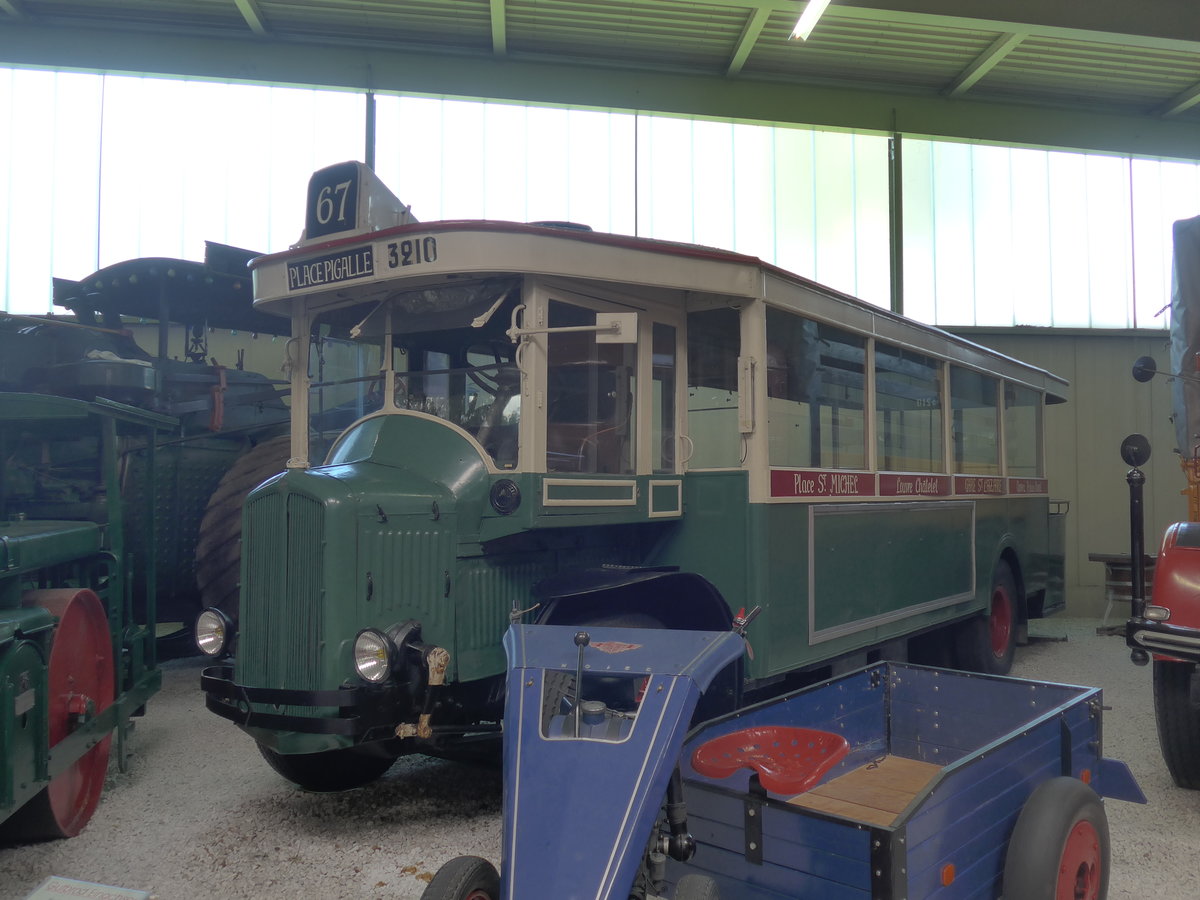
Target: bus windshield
440,351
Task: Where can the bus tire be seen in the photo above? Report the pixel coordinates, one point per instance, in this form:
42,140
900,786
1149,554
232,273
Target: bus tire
1178,721
1059,846
464,878
331,770
219,545
988,642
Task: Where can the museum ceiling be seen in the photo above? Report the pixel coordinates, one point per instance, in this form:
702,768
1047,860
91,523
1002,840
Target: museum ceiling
1091,74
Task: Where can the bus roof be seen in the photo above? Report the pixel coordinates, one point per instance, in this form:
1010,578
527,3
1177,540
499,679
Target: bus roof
369,265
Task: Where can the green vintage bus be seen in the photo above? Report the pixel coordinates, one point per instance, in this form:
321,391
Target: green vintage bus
496,422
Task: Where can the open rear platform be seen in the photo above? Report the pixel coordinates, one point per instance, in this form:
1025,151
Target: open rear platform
875,793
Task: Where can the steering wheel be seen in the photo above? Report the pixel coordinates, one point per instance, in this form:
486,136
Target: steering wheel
495,378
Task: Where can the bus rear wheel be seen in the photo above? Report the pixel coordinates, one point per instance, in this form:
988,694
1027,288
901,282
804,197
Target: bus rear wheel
331,770
988,642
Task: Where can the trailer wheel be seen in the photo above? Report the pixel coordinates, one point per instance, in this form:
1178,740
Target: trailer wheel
696,887
988,642
1059,847
1178,721
331,770
219,545
464,878
81,686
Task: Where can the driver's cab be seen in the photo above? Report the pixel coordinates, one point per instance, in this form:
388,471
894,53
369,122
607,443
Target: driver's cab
542,378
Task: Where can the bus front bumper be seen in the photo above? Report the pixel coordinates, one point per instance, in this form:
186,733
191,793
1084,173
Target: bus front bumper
358,712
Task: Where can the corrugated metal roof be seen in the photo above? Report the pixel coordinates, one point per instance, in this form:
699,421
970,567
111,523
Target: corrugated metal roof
926,47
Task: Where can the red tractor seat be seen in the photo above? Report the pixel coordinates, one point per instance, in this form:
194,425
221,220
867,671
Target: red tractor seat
788,760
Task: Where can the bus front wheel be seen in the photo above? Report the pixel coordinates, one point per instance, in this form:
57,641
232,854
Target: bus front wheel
331,770
988,642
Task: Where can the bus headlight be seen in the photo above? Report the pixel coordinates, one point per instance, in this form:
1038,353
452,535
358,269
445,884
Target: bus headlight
374,655
213,630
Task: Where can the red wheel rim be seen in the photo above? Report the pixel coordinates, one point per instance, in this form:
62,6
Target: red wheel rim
1080,869
80,682
1000,623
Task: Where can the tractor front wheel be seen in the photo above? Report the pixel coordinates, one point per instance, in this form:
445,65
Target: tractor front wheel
464,878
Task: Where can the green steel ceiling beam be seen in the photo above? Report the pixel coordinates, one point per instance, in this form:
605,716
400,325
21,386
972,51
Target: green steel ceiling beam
1182,101
1165,24
382,69
749,37
986,61
254,19
499,28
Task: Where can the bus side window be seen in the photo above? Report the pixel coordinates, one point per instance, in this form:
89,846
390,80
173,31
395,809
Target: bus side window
976,428
590,391
816,381
1023,431
713,345
908,411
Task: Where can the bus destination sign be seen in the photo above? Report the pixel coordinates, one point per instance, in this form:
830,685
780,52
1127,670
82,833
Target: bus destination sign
790,483
345,265
905,485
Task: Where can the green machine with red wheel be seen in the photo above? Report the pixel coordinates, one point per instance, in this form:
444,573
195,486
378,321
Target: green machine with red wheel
77,657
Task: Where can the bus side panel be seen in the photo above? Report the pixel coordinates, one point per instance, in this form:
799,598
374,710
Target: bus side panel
844,577
1037,553
712,538
1016,526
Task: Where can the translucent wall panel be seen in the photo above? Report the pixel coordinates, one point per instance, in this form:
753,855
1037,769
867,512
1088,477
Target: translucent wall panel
812,202
458,160
98,169
1004,236
49,170
1164,193
185,162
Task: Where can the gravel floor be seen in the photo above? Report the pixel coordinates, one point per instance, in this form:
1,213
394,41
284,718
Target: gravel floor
200,815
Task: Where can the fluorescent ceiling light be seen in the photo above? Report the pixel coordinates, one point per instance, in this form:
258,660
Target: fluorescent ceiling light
808,19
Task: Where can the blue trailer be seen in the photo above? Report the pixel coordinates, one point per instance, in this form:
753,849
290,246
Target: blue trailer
894,781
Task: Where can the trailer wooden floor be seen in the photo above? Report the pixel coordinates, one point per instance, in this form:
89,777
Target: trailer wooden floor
875,793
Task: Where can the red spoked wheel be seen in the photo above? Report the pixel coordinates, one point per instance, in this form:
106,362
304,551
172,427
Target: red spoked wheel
81,686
